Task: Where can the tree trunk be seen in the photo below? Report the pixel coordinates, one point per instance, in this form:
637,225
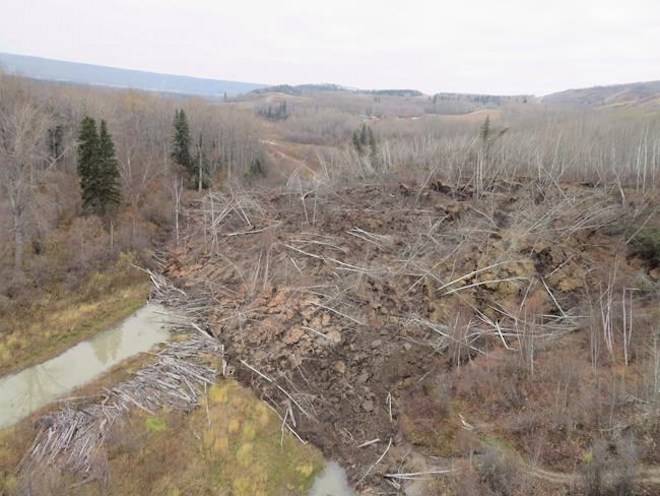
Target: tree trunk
18,243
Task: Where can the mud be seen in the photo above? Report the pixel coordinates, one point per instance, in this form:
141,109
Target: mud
342,308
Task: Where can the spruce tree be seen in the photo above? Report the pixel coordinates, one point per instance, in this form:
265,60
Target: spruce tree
181,143
356,142
372,142
364,136
97,168
108,188
484,131
88,143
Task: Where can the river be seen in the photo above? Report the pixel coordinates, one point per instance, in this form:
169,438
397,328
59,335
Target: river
32,388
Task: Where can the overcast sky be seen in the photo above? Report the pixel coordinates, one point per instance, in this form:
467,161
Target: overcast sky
486,46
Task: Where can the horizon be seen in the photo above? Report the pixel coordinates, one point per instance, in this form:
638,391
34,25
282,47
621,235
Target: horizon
474,47
320,83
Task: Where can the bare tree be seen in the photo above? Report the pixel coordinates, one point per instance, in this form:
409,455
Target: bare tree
22,131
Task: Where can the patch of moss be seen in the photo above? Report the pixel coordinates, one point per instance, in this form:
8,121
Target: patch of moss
155,424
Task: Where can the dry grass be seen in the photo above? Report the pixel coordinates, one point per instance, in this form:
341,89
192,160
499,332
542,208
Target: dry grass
56,322
231,445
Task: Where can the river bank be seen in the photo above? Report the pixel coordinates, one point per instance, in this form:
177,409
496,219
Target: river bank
230,443
61,319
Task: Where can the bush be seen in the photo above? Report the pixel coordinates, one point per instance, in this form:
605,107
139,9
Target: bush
646,244
610,468
499,475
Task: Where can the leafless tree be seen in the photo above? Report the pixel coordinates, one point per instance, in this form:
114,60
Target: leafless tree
23,128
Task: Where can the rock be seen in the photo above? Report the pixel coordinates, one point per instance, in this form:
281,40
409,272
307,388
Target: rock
294,335
368,406
655,274
340,367
363,377
407,346
334,336
377,343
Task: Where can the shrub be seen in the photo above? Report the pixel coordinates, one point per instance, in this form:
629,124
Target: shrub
646,244
610,468
499,475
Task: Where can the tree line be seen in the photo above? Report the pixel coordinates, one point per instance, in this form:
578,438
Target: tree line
86,173
97,165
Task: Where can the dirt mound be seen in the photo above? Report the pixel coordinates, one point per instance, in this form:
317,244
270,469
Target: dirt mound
342,307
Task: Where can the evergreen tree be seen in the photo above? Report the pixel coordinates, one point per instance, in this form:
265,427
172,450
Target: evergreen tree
107,190
88,142
97,168
372,142
356,142
484,132
364,136
181,143
364,141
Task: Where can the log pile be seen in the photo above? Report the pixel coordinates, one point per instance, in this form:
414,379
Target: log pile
72,438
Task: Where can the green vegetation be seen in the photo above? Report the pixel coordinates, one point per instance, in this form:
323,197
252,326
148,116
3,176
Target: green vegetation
108,174
181,143
364,140
277,113
155,424
97,168
646,244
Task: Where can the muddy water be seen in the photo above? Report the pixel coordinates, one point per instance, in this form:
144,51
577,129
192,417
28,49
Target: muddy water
26,391
331,482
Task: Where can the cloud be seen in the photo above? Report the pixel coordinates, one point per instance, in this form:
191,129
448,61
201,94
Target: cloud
510,46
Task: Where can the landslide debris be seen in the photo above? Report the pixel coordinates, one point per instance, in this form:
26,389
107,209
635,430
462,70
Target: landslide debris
342,306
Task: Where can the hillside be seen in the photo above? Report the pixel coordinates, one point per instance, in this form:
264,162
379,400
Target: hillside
73,72
618,94
441,303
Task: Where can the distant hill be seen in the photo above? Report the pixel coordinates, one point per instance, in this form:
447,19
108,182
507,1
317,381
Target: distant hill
482,99
73,72
300,89
395,92
599,96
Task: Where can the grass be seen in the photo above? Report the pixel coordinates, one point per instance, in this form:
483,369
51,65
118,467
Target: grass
55,323
231,444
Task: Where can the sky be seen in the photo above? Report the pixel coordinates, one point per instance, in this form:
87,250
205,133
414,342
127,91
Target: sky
479,46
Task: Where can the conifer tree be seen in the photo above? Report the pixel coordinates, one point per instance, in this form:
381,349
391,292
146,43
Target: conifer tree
97,168
484,131
107,190
181,143
356,141
88,142
372,143
364,136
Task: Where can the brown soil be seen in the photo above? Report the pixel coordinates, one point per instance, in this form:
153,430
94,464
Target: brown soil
354,312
